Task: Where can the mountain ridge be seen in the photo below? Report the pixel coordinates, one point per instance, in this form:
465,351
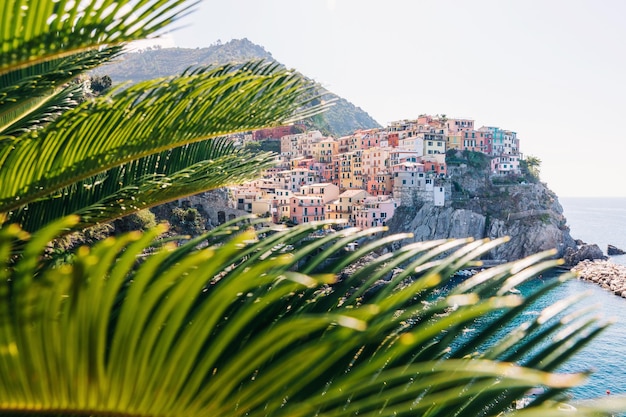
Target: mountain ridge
343,118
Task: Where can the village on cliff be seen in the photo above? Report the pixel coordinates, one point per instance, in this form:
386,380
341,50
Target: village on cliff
363,177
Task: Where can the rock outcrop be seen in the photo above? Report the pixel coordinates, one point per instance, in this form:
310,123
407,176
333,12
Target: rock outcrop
584,252
606,274
613,250
527,212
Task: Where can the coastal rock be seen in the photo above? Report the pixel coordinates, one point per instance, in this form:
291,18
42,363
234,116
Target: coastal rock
573,256
606,274
613,250
529,214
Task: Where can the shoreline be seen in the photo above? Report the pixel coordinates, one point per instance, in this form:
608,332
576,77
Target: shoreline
606,274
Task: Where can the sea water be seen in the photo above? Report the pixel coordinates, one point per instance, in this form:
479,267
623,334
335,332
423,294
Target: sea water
601,221
605,355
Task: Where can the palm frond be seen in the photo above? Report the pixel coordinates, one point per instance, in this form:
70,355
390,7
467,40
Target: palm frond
147,118
37,31
146,182
232,329
36,112
31,89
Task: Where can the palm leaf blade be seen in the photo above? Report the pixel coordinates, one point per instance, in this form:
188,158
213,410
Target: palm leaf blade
137,124
225,339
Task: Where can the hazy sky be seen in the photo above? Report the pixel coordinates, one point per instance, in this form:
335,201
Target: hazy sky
551,70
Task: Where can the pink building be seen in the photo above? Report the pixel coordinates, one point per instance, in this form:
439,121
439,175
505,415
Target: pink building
459,125
475,140
326,191
370,138
374,211
305,209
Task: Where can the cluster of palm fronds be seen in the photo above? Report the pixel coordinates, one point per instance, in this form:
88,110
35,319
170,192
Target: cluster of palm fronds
251,320
234,329
130,149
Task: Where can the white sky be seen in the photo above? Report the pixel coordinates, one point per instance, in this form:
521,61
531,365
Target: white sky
552,70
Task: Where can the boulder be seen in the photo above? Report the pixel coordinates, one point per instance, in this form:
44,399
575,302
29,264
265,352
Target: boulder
584,252
613,250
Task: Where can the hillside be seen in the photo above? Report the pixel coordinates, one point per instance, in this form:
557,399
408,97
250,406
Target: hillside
341,119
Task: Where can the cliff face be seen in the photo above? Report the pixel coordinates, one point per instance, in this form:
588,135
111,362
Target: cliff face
529,213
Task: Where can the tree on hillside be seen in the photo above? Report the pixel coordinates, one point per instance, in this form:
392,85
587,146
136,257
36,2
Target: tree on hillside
248,319
534,165
531,166
100,84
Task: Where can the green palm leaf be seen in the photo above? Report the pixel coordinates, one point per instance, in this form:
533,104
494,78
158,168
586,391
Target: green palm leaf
35,112
147,118
231,330
146,182
30,96
36,31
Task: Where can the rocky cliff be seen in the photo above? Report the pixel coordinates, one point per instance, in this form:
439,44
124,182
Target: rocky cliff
484,207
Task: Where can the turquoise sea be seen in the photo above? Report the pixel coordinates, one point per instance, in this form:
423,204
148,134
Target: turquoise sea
601,221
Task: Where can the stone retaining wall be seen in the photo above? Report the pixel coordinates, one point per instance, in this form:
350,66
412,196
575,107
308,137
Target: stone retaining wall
606,274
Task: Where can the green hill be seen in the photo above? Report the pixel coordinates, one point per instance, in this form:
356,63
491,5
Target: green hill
341,119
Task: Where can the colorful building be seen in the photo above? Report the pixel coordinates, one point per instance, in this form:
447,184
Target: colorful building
306,209
343,207
374,211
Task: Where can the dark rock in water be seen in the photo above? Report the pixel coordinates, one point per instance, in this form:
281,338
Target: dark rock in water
584,252
579,242
613,250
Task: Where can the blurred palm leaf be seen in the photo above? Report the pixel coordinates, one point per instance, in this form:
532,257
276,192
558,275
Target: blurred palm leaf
232,329
146,182
148,118
36,31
